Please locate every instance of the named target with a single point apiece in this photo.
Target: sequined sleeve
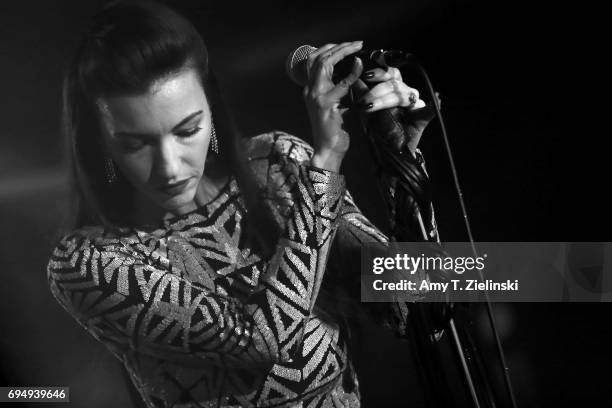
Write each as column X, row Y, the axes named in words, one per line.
column 273, row 156
column 133, row 302
column 356, row 229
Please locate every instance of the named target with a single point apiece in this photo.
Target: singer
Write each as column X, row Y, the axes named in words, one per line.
column 198, row 258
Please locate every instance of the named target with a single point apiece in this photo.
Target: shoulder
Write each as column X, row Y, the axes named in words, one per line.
column 79, row 240
column 278, row 145
column 92, row 262
column 91, row 248
column 93, row 237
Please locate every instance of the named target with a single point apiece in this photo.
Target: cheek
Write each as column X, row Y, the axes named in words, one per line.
column 196, row 152
column 135, row 167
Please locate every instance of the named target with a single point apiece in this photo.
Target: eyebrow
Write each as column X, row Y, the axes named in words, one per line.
column 174, row 129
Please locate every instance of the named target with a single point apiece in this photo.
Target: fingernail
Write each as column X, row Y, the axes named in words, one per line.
column 368, row 106
column 369, row 75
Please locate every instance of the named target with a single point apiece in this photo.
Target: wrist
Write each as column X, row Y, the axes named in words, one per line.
column 327, row 160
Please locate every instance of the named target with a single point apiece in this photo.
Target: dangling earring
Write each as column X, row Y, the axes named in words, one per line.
column 110, row 170
column 214, row 143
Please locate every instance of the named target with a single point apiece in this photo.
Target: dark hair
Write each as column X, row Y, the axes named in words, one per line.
column 129, row 46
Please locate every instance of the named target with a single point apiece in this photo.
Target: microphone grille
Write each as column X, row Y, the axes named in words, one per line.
column 295, row 64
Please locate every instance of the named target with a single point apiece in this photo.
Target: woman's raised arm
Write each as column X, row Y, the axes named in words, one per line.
column 127, row 298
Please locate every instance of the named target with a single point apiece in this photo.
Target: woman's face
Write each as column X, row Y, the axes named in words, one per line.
column 159, row 139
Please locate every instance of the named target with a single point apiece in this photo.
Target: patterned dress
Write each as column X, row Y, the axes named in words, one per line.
column 198, row 318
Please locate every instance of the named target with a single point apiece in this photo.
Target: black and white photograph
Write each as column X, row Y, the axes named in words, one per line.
column 303, row 204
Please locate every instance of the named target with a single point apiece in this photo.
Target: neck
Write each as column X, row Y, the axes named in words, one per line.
column 147, row 212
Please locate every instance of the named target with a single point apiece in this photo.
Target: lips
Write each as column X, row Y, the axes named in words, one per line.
column 174, row 188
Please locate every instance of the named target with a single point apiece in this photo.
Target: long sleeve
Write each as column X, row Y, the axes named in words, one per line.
column 128, row 298
column 342, row 284
column 354, row 231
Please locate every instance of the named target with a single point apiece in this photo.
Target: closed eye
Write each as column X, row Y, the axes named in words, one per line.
column 188, row 132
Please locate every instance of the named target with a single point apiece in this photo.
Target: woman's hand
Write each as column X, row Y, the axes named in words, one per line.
column 390, row 92
column 322, row 97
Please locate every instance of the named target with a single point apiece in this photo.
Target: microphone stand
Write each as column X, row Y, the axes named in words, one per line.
column 407, row 188
column 408, row 197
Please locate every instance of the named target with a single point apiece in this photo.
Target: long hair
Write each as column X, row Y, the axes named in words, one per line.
column 130, row 45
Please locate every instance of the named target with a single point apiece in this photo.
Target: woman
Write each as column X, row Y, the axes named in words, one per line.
column 198, row 258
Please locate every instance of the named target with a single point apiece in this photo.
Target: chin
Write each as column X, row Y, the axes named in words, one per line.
column 178, row 202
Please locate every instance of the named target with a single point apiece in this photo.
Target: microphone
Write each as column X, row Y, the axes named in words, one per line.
column 296, row 62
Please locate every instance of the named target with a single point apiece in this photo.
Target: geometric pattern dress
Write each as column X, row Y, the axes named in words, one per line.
column 198, row 318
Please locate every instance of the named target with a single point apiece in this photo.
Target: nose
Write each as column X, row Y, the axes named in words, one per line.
column 166, row 163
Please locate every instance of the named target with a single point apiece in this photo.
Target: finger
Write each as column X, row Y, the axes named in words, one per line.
column 323, row 68
column 380, row 74
column 420, row 104
column 334, row 48
column 323, row 53
column 312, row 58
column 339, row 52
column 411, row 95
column 360, row 89
column 321, row 72
column 392, row 100
column 342, row 88
column 317, row 53
column 422, row 112
column 321, row 49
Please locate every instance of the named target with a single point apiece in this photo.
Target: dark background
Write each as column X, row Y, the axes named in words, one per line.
column 519, row 94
